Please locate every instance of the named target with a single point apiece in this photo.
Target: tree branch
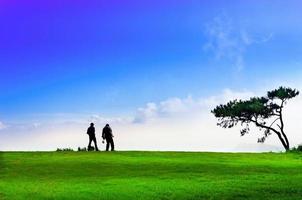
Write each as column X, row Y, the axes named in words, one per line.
column 284, row 143
column 274, row 122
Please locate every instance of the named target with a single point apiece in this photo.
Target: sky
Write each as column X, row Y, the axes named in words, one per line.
column 152, row 69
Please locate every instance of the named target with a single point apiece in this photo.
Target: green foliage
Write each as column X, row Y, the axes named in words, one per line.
column 150, row 175
column 244, row 110
column 282, row 93
column 259, row 111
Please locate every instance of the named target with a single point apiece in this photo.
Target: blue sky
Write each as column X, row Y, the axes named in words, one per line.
column 111, row 58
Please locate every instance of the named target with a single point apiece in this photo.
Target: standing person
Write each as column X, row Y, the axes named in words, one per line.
column 107, row 134
column 91, row 133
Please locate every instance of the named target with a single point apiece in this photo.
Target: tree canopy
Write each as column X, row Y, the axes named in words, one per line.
column 265, row 112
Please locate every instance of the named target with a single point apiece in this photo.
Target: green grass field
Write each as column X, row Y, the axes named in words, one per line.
column 150, row 175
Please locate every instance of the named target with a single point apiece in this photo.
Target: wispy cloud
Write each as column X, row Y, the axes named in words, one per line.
column 97, row 118
column 181, row 107
column 165, row 108
column 230, row 42
column 148, row 112
column 2, row 125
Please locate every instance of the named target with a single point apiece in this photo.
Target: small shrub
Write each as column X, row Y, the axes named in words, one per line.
column 82, row 149
column 297, row 149
column 64, row 149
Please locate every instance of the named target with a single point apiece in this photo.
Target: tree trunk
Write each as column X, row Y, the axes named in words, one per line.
column 284, row 143
column 282, row 130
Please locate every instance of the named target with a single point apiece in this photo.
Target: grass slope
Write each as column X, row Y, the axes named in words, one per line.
column 150, row 175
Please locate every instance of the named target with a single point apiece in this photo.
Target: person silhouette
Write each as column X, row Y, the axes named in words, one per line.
column 91, row 133
column 107, row 134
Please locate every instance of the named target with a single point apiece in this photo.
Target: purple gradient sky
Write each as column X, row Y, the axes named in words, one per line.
column 112, row 57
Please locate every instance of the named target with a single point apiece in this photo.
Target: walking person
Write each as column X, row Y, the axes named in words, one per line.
column 107, row 134
column 91, row 133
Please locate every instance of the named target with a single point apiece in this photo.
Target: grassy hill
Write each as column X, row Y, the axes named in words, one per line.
column 150, row 175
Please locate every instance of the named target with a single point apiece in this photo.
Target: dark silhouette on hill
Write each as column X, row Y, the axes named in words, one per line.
column 265, row 112
column 91, row 133
column 107, row 134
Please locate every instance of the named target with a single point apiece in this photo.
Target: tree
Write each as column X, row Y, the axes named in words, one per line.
column 264, row 112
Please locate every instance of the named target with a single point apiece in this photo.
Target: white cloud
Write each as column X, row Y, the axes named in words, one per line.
column 96, row 118
column 175, row 105
column 229, row 42
column 179, row 107
column 2, row 125
column 148, row 112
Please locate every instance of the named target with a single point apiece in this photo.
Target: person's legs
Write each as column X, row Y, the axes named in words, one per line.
column 107, row 144
column 95, row 144
column 89, row 144
column 112, row 145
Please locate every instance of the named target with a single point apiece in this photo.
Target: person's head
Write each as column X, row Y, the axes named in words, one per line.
column 91, row 124
column 107, row 125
